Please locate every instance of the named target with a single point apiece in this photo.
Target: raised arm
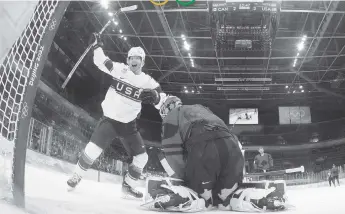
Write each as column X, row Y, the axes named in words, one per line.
column 105, row 64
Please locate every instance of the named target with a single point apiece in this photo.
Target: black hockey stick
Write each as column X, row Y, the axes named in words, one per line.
column 124, row 9
column 278, row 172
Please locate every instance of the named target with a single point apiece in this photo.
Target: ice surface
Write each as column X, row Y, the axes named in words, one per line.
column 46, row 193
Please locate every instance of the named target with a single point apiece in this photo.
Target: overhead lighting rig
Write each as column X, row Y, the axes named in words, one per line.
column 295, row 89
column 243, row 88
column 243, row 79
column 300, row 46
column 105, row 5
column 191, row 89
column 244, row 25
column 187, row 47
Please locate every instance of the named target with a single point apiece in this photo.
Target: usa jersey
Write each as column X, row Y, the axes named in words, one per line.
column 121, row 103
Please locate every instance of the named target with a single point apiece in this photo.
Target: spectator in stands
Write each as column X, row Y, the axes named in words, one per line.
column 335, row 174
column 263, row 161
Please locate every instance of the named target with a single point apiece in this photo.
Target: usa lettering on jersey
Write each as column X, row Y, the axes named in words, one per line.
column 126, row 90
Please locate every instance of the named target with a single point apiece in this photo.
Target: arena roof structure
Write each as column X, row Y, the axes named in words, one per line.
column 303, row 58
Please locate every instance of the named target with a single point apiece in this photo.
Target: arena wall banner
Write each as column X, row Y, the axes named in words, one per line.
column 294, row 115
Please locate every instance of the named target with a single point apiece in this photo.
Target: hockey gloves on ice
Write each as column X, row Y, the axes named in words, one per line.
column 149, row 96
column 96, row 41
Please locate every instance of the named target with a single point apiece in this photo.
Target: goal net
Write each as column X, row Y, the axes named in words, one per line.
column 20, row 70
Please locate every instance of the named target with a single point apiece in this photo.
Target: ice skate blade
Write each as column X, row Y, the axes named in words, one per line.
column 70, row 189
column 130, row 197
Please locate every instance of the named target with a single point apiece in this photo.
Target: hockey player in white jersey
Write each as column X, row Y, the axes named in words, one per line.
column 129, row 88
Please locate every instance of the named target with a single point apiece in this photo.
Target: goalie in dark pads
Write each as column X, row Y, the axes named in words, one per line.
column 205, row 164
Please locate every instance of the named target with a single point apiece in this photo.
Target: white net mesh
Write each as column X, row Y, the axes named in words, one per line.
column 16, row 71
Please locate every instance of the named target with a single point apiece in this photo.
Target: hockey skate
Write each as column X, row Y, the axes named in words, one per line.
column 73, row 181
column 129, row 192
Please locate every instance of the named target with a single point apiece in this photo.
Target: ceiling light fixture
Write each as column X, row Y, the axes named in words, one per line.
column 300, row 46
column 304, row 38
column 105, row 4
column 186, row 45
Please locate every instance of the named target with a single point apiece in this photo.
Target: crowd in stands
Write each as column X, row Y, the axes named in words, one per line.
column 296, row 134
column 70, row 132
column 54, row 113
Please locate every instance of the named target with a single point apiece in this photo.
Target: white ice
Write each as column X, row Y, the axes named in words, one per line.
column 46, row 193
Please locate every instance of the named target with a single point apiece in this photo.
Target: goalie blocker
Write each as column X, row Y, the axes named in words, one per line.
column 168, row 194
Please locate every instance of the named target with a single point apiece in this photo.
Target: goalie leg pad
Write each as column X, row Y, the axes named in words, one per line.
column 153, row 186
column 280, row 186
column 165, row 194
column 257, row 197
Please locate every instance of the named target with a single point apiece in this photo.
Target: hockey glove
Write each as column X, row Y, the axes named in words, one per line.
column 149, row 96
column 96, row 41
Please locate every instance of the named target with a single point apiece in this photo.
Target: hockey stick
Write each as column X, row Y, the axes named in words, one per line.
column 124, row 9
column 278, row 172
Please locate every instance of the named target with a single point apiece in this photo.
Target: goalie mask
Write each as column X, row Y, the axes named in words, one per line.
column 136, row 59
column 169, row 104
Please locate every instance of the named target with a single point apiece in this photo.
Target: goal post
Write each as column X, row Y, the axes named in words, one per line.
column 20, row 72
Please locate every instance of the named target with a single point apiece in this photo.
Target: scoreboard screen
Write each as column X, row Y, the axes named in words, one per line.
column 243, row 116
column 232, row 6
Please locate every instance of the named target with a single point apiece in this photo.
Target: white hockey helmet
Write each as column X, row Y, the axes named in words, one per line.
column 137, row 51
column 170, row 103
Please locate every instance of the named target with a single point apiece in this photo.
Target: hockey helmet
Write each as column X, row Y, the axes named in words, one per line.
column 137, row 51
column 170, row 103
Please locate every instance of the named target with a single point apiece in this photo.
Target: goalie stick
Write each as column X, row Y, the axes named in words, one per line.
column 124, row 9
column 278, row 172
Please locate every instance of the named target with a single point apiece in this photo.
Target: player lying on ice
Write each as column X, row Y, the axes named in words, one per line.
column 205, row 164
column 129, row 88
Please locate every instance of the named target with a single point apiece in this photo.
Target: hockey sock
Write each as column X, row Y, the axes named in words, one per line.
column 89, row 155
column 135, row 169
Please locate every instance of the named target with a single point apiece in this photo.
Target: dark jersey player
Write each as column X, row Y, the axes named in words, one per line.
column 263, row 161
column 121, row 106
column 199, row 150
